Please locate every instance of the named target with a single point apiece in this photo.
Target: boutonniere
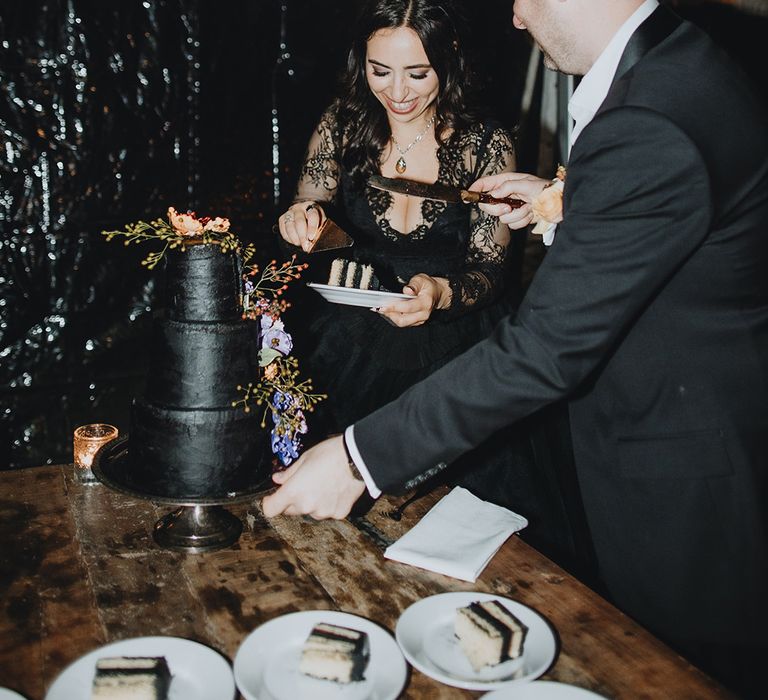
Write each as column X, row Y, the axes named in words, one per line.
column 548, row 206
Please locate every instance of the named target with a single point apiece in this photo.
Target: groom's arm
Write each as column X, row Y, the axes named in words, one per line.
column 637, row 203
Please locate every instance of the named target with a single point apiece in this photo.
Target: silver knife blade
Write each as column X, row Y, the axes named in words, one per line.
column 438, row 191
column 412, row 188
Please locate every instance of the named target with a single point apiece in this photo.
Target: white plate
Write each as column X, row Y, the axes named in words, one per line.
column 356, row 297
column 267, row 662
column 199, row 672
column 543, row 690
column 425, row 634
column 8, row 694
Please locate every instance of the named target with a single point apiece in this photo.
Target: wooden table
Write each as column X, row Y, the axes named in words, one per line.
column 79, row 568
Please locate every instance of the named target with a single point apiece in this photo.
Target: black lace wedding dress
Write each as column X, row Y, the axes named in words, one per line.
column 362, row 362
column 357, row 357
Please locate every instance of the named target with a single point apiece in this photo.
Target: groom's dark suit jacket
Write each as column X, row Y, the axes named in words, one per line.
column 650, row 313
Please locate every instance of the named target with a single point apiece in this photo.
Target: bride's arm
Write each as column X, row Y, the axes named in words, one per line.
column 483, row 276
column 318, row 183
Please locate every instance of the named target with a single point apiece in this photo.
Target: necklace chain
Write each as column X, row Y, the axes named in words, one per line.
column 401, row 165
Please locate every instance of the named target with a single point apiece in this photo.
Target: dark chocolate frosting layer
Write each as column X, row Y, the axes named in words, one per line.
column 202, row 284
column 179, row 453
column 200, row 365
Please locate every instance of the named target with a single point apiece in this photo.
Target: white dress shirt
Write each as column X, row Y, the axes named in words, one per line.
column 582, row 107
column 594, row 86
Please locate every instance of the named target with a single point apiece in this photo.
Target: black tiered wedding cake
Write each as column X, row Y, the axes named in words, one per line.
column 187, row 441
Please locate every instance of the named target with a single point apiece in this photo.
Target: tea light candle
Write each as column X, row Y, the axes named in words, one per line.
column 87, row 441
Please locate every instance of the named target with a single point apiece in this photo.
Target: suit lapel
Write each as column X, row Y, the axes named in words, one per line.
column 659, row 25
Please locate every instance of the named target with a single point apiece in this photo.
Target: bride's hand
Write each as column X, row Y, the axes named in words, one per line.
column 428, row 294
column 299, row 224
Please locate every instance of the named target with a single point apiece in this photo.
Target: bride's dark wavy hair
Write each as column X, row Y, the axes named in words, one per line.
column 362, row 118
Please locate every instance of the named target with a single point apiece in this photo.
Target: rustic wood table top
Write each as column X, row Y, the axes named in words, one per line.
column 79, row 568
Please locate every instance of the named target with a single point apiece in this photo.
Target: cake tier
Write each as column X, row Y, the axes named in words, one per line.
column 203, row 284
column 200, row 365
column 178, row 453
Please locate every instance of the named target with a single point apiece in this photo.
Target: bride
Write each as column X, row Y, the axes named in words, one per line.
column 404, row 110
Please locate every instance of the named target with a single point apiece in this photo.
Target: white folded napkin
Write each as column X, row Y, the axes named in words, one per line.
column 458, row 537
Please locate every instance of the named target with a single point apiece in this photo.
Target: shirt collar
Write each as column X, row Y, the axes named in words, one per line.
column 594, row 86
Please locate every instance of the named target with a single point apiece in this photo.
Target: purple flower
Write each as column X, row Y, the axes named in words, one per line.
column 277, row 339
column 249, row 287
column 268, row 322
column 286, row 447
column 281, row 402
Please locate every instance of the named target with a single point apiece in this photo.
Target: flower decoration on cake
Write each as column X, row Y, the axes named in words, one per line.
column 178, row 231
column 284, row 395
column 281, row 392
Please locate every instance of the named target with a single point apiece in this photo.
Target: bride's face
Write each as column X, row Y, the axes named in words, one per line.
column 399, row 74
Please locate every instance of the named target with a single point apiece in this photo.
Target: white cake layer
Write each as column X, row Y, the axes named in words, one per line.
column 366, row 277
column 126, row 689
column 349, row 279
column 337, row 272
column 333, row 666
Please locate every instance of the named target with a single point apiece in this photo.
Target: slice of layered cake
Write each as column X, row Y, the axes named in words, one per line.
column 131, row 678
column 335, row 653
column 489, row 634
column 348, row 273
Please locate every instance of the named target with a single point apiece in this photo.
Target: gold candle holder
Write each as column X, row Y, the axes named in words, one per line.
column 88, row 439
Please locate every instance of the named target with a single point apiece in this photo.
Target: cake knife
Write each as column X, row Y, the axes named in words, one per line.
column 439, row 191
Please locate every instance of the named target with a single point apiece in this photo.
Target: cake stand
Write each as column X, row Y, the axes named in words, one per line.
column 197, row 524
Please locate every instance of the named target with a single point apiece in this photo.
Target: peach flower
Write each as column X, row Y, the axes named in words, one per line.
column 270, row 372
column 185, row 224
column 548, row 206
column 218, row 225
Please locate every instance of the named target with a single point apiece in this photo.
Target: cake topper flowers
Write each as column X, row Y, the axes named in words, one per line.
column 283, row 394
column 178, row 231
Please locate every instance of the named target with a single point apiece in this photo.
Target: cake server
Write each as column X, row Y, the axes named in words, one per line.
column 443, row 193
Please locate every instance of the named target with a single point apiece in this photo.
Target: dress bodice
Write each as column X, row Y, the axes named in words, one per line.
column 455, row 241
column 436, row 247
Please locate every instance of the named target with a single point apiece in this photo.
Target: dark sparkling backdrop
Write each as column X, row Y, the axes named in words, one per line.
column 109, row 113
column 112, row 110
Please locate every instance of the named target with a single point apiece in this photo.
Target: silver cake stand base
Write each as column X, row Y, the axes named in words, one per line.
column 197, row 524
column 197, row 529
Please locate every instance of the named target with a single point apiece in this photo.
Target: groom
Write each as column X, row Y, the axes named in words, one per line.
column 649, row 314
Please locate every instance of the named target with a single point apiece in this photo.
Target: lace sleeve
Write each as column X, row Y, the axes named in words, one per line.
column 482, row 278
column 319, row 177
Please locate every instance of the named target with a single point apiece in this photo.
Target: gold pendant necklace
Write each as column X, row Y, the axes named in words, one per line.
column 401, row 165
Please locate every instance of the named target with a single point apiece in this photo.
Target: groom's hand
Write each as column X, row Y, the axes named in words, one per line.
column 319, row 484
column 517, row 185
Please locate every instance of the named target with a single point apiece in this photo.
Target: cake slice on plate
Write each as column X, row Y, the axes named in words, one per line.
column 335, row 653
column 489, row 634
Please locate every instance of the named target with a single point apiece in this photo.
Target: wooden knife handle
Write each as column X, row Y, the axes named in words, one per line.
column 470, row 197
column 511, row 201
